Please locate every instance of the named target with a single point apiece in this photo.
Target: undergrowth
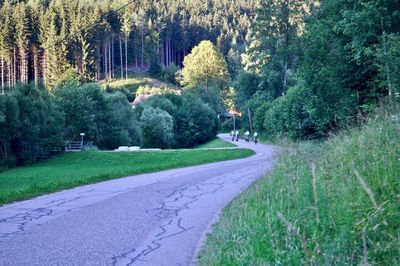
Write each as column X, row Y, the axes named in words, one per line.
column 330, row 203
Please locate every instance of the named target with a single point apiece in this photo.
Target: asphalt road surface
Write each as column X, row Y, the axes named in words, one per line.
column 150, row 219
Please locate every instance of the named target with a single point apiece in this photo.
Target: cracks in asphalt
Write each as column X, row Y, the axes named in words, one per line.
column 20, row 218
column 169, row 213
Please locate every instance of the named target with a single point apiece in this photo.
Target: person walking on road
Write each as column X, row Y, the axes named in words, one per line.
column 247, row 136
column 255, row 137
column 237, row 135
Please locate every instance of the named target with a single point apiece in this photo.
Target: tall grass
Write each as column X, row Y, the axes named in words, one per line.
column 333, row 203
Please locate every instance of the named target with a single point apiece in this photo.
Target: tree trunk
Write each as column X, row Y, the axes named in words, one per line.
column 120, row 57
column 167, row 52
column 109, row 62
column 162, row 57
column 388, row 76
column 284, row 82
column 158, row 48
column 9, row 76
column 44, row 67
column 26, row 67
column 126, row 57
column 35, row 66
column 15, row 68
column 136, row 55
column 142, row 56
column 112, row 57
column 2, row 74
column 105, row 62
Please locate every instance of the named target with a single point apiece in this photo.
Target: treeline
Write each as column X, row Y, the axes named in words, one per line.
column 35, row 124
column 42, row 39
column 313, row 65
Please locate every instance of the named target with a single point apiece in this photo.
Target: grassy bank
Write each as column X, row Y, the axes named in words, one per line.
column 216, row 143
column 74, row 169
column 334, row 203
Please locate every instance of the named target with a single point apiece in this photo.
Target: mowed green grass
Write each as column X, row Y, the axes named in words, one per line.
column 344, row 212
column 216, row 143
column 74, row 169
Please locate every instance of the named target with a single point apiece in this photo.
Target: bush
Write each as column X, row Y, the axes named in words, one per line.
column 259, row 116
column 302, row 114
column 246, row 84
column 123, row 128
column 31, row 125
column 227, row 125
column 201, row 120
column 84, row 109
column 275, row 121
column 157, row 128
column 9, row 128
column 343, row 211
column 106, row 119
column 170, row 72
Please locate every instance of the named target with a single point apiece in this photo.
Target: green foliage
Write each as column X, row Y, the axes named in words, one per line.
column 147, row 89
column 201, row 121
column 388, row 55
column 205, row 66
column 194, row 122
column 84, row 108
column 169, row 73
column 31, row 125
column 157, row 127
column 106, row 119
column 349, row 217
column 319, row 65
column 276, row 117
column 125, row 129
column 246, row 85
column 102, row 40
column 9, row 127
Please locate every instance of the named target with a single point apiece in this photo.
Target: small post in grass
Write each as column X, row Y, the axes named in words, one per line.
column 82, row 135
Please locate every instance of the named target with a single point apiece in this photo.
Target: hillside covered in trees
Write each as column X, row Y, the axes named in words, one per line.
column 302, row 69
column 312, row 66
column 103, row 39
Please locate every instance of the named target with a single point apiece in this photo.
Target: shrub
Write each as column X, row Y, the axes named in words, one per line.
column 157, row 128
column 201, row 119
column 123, row 128
column 170, row 72
column 30, row 125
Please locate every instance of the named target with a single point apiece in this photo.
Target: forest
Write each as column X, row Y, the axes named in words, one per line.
column 105, row 39
column 315, row 66
column 301, row 69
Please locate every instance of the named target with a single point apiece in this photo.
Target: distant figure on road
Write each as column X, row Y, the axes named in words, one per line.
column 247, row 136
column 237, row 135
column 255, row 137
column 233, row 135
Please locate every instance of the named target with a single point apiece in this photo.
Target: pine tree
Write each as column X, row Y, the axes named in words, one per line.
column 22, row 39
column 5, row 42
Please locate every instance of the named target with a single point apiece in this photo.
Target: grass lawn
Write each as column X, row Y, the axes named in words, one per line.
column 74, row 169
column 331, row 203
column 216, row 143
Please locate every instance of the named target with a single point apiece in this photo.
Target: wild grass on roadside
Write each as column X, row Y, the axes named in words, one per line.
column 74, row 169
column 334, row 203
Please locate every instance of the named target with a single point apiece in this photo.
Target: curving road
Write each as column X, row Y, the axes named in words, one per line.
column 151, row 219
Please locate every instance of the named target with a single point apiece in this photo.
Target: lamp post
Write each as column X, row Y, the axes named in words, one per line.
column 82, row 135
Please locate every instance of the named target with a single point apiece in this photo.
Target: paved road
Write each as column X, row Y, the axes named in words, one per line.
column 150, row 219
